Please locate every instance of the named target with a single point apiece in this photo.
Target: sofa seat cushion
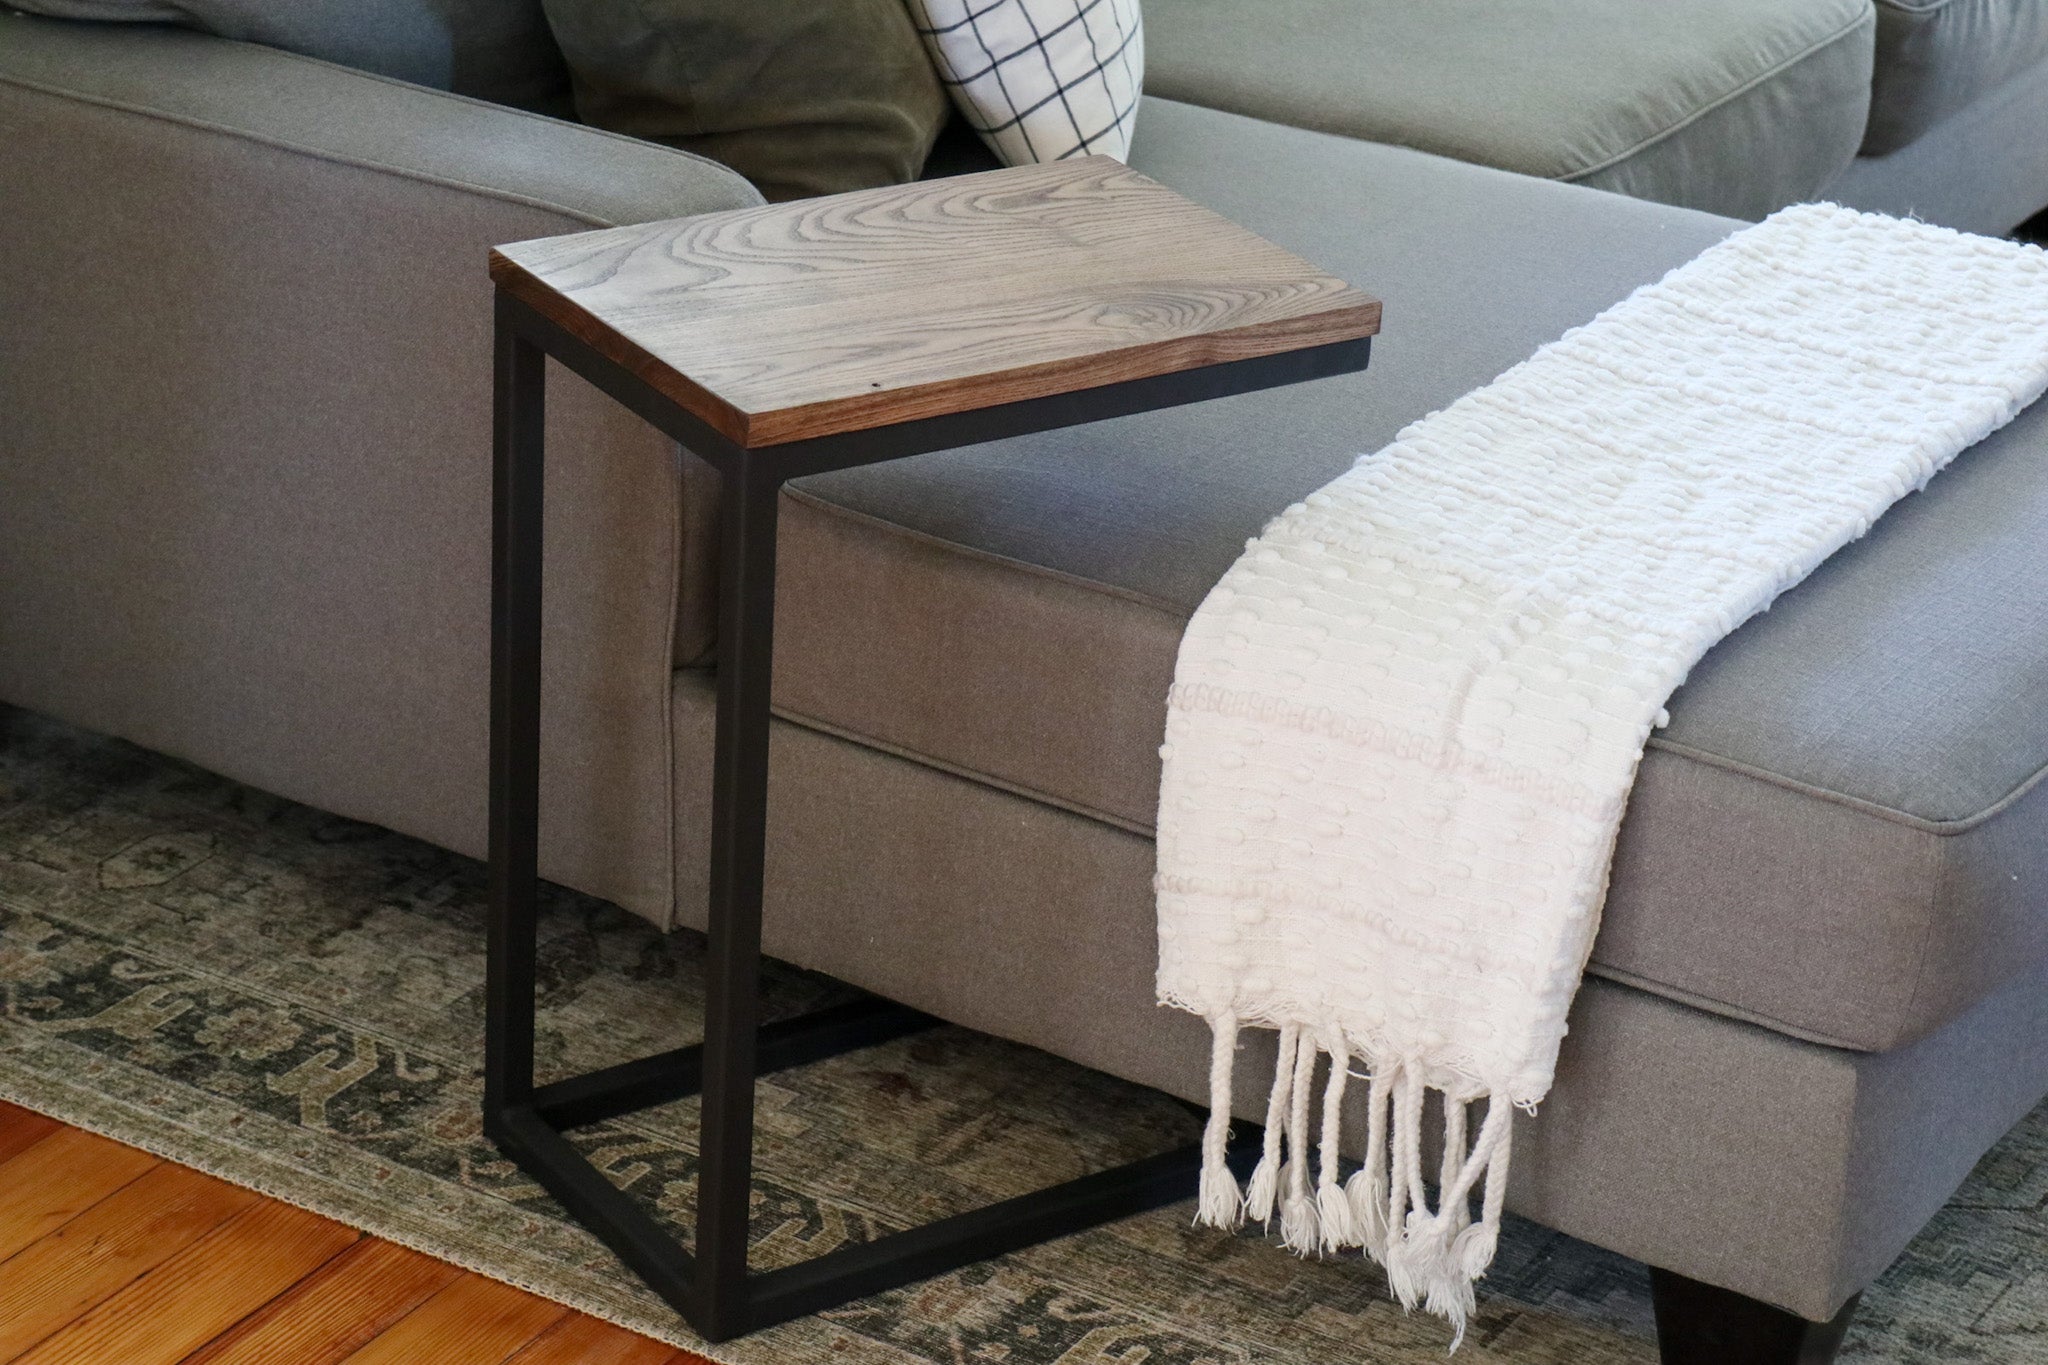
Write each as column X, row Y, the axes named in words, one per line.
column 1734, row 106
column 1936, row 56
column 1837, row 835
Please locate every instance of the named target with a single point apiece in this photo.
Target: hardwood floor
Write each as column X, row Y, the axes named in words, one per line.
column 110, row 1254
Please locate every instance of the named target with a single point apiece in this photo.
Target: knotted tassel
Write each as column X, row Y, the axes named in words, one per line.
column 1333, row 1205
column 1428, row 1249
column 1477, row 1244
column 1298, row 1229
column 1221, row 1202
column 1449, row 1257
column 1367, row 1188
column 1451, row 1295
column 1265, row 1182
column 1413, row 1259
column 1406, row 1256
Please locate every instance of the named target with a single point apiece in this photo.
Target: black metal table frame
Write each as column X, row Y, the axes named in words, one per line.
column 713, row 1288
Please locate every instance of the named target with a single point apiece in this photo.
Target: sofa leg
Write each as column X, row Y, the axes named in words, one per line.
column 1698, row 1324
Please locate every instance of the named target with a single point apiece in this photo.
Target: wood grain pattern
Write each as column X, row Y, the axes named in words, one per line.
column 200, row 1292
column 471, row 1322
column 352, row 1300
column 59, row 1178
column 861, row 310
column 125, row 1235
column 581, row 1340
column 109, row 1255
column 21, row 1129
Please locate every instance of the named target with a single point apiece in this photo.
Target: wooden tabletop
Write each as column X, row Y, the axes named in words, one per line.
column 860, row 310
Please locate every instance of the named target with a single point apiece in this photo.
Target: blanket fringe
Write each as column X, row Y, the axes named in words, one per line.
column 1298, row 1231
column 1220, row 1203
column 1432, row 1256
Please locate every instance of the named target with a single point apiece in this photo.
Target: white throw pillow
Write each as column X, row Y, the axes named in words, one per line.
column 1040, row 79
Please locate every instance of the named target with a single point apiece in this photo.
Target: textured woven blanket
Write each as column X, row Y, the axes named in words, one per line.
column 1404, row 726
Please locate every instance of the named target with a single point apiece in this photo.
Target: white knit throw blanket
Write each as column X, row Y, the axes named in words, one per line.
column 1404, row 726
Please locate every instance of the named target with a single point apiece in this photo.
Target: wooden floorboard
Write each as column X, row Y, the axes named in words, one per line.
column 583, row 1340
column 472, row 1322
column 59, row 1178
column 202, row 1291
column 62, row 1276
column 345, row 1306
column 20, row 1128
column 108, row 1254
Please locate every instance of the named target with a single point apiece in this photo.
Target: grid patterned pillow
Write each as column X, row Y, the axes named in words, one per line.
column 1040, row 79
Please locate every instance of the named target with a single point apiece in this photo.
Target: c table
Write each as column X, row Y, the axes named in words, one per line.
column 788, row 340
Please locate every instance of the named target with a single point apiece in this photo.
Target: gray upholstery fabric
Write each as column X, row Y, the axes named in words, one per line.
column 1981, row 169
column 497, row 50
column 1734, row 106
column 1816, row 840
column 1789, row 906
column 244, row 501
column 1123, row 526
column 309, row 108
column 1911, row 673
column 1936, row 56
column 1731, row 1153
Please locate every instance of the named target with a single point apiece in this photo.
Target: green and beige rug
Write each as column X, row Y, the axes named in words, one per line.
column 294, row 1002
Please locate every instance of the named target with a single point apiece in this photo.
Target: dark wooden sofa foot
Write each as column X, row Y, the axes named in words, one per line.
column 1698, row 1324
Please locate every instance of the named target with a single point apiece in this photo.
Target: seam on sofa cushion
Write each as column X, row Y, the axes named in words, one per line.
column 910, row 755
column 1710, row 1005
column 281, row 54
column 926, row 538
column 1936, row 886
column 367, row 163
column 301, row 149
column 1915, row 7
column 881, row 524
column 1868, row 17
column 1692, row 999
column 1962, row 825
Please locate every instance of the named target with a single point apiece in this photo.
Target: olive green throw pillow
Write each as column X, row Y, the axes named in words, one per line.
column 802, row 97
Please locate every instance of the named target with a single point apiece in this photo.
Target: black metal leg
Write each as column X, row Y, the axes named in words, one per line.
column 712, row 1288
column 739, row 823
column 1700, row 1324
column 517, row 493
column 642, row 1084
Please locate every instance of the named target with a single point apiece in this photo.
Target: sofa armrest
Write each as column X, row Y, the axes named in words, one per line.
column 315, row 108
column 245, row 436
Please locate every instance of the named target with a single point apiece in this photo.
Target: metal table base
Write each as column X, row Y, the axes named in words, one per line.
column 711, row 1286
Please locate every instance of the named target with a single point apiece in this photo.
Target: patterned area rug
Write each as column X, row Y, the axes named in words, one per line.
column 294, row 1002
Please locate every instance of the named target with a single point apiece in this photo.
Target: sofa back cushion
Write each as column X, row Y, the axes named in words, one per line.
column 497, row 50
column 1738, row 107
column 1936, row 56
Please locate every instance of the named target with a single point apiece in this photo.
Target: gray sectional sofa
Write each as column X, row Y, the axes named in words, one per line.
column 244, row 475
column 1932, row 107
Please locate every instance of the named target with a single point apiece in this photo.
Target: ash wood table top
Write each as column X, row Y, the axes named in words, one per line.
column 861, row 310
